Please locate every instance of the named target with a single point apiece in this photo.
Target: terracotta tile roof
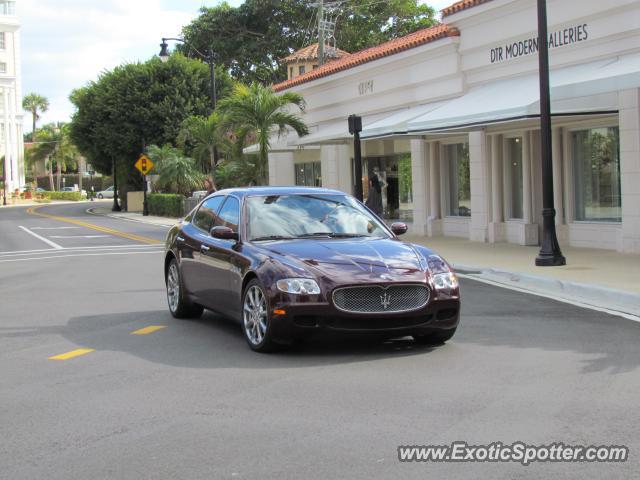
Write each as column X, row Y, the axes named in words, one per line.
column 461, row 5
column 386, row 49
column 310, row 52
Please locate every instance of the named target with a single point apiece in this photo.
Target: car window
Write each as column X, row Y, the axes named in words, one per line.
column 229, row 214
column 206, row 214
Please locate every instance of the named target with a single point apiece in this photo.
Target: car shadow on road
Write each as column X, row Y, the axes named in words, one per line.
column 213, row 341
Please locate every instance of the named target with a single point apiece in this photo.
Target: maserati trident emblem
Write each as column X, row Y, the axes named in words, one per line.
column 385, row 300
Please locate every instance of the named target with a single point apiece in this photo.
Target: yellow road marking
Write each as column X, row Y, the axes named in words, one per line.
column 118, row 233
column 72, row 353
column 148, row 330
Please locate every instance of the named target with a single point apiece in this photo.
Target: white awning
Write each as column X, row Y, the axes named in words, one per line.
column 277, row 145
column 587, row 88
column 334, row 132
column 327, row 133
column 396, row 123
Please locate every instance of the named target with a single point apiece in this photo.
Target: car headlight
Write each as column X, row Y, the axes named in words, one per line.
column 445, row 281
column 443, row 277
column 301, row 286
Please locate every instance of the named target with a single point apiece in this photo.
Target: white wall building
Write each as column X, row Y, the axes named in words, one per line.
column 11, row 140
column 451, row 123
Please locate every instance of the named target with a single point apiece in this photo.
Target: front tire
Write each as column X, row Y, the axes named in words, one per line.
column 256, row 320
column 179, row 306
column 435, row 338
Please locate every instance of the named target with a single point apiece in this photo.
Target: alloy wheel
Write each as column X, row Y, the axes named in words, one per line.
column 255, row 315
column 173, row 287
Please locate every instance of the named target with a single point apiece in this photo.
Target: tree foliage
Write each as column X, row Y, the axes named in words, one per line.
column 258, row 110
column 249, row 40
column 139, row 104
column 177, row 173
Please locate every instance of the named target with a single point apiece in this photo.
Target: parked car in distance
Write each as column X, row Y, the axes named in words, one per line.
column 288, row 262
column 74, row 189
column 106, row 193
column 200, row 194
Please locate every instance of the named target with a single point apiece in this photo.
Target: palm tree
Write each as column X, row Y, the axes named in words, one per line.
column 177, row 173
column 259, row 110
column 55, row 146
column 204, row 137
column 34, row 103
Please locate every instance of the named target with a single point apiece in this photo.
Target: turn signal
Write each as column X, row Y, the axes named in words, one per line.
column 279, row 312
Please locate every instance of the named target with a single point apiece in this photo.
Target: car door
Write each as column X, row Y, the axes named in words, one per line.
column 219, row 261
column 189, row 242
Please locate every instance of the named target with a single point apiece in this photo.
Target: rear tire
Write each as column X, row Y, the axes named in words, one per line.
column 256, row 319
column 435, row 338
column 100, row 196
column 179, row 306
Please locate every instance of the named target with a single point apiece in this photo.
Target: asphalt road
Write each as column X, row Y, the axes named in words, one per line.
column 191, row 401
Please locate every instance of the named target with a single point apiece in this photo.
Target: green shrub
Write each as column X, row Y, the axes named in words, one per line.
column 73, row 196
column 165, row 204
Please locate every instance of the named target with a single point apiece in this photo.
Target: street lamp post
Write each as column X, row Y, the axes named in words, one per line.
column 116, row 205
column 208, row 58
column 550, row 254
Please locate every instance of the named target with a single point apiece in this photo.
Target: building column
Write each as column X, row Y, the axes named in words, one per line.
column 526, row 178
column 478, row 174
column 434, row 220
column 419, row 185
column 629, row 108
column 281, row 169
column 562, row 230
column 343, row 154
column 497, row 227
column 10, row 172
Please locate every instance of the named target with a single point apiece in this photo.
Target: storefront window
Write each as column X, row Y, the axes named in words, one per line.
column 459, row 182
column 393, row 173
column 308, row 174
column 596, row 161
column 514, row 147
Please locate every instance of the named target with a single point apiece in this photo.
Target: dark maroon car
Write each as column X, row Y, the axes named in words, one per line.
column 290, row 261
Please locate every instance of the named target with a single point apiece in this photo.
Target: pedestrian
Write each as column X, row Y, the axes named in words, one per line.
column 374, row 199
column 208, row 185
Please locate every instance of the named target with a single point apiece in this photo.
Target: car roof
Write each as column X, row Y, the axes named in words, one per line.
column 249, row 191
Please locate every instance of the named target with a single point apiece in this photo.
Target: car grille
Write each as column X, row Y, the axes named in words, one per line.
column 378, row 299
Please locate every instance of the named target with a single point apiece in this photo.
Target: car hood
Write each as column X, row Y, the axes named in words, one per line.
column 354, row 260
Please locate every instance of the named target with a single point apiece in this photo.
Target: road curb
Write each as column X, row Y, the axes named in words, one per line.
column 587, row 294
column 128, row 219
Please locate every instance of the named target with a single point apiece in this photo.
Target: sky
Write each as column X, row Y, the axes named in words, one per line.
column 67, row 43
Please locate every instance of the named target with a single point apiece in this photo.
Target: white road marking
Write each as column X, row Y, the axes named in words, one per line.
column 71, row 249
column 52, row 228
column 76, row 255
column 45, row 240
column 628, row 316
column 78, row 236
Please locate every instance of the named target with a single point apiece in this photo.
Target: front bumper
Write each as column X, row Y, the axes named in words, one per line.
column 304, row 319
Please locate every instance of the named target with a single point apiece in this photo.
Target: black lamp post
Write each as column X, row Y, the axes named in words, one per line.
column 355, row 127
column 208, row 58
column 550, row 254
column 116, row 205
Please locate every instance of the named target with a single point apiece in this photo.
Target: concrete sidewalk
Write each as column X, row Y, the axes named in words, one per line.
column 598, row 278
column 133, row 216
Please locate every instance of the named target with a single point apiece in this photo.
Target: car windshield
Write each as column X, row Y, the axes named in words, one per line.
column 308, row 216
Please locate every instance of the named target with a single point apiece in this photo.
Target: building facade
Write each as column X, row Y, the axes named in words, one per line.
column 451, row 124
column 11, row 140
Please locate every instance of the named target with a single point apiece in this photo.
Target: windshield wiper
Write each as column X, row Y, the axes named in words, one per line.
column 272, row 237
column 332, row 235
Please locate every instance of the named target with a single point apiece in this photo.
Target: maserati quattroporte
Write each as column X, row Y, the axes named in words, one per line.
column 290, row 261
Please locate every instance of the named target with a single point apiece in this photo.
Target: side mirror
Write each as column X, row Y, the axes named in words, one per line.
column 223, row 233
column 399, row 228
